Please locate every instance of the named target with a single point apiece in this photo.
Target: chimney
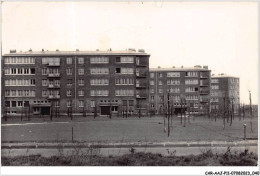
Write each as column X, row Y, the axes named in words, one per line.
column 13, row 51
column 42, row 50
column 77, row 49
column 97, row 49
column 131, row 49
column 205, row 67
column 173, row 66
column 182, row 66
column 197, row 66
column 57, row 49
column 159, row 67
column 141, row 50
column 30, row 50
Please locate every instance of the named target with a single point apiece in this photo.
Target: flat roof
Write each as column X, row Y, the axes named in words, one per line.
column 178, row 69
column 75, row 53
column 223, row 76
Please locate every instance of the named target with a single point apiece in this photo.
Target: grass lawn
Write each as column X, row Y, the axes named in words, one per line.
column 127, row 130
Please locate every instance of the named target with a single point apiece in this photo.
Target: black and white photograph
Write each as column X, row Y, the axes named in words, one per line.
column 130, row 83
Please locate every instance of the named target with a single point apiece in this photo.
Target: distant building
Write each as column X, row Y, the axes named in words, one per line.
column 188, row 88
column 224, row 91
column 79, row 82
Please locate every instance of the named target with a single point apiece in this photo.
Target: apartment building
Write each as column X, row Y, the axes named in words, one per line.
column 224, row 91
column 188, row 88
column 45, row 82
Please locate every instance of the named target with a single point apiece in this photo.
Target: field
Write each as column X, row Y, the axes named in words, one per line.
column 133, row 129
column 136, row 159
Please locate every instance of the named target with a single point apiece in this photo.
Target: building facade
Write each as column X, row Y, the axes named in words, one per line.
column 79, row 82
column 224, row 92
column 188, row 88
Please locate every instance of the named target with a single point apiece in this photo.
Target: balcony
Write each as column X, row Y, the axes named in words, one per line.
column 54, row 97
column 141, row 96
column 51, row 86
column 204, row 85
column 204, row 92
column 54, row 64
column 204, row 76
column 203, row 100
column 141, row 75
column 53, row 75
column 141, row 86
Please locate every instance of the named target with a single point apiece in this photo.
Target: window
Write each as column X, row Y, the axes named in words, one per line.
column 56, row 103
column 44, row 93
column 160, row 91
column 20, row 71
column 214, row 80
column 127, row 59
column 69, row 60
column 173, row 74
column 69, row 71
column 7, row 93
column 92, row 103
column 81, row 60
column 214, row 87
column 99, row 93
column 191, row 81
column 13, row 103
column 81, row 93
column 152, row 98
column 127, row 70
column 68, row 93
column 174, row 90
column 151, row 75
column 118, row 70
column 81, row 71
column 99, row 82
column 160, row 83
column 33, row 71
column 7, row 71
column 191, row 74
column 19, row 103
column 151, row 83
column 13, row 71
column 69, row 103
column 44, row 71
column 99, row 71
column 118, row 59
column 44, row 60
column 44, row 82
column 124, row 81
column 151, row 90
column 69, row 82
column 99, row 60
column 131, row 102
column 32, row 82
column 124, row 92
column 13, row 92
column 173, row 82
column 81, row 82
column 160, row 75
column 191, row 89
column 191, row 97
column 81, row 103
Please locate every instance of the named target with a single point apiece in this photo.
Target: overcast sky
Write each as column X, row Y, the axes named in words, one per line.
column 222, row 35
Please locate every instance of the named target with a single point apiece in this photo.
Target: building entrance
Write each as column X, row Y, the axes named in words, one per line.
column 45, row 111
column 105, row 110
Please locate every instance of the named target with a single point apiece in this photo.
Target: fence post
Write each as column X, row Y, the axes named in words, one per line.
column 244, row 131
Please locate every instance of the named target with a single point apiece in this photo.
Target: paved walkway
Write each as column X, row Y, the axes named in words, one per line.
column 129, row 144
